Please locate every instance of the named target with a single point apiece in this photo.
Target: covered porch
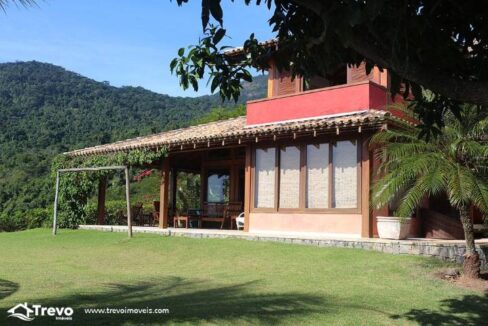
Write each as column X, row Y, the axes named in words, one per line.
column 219, row 201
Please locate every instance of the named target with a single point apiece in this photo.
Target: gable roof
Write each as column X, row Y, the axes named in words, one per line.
column 19, row 306
column 235, row 130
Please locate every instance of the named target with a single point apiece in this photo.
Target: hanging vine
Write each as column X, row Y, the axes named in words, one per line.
column 77, row 188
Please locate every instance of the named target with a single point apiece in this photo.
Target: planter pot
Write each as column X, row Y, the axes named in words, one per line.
column 390, row 227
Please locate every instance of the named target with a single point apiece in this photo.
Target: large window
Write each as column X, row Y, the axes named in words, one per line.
column 218, row 186
column 317, row 191
column 265, row 178
column 289, row 177
column 311, row 176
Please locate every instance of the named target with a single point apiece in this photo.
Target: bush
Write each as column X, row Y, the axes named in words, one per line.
column 12, row 222
column 33, row 218
column 39, row 217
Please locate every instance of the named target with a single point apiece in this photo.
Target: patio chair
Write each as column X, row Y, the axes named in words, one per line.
column 240, row 221
column 231, row 212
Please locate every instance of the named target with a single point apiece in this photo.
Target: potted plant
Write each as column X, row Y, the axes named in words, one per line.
column 392, row 227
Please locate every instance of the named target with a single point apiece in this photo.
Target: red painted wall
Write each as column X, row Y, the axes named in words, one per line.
column 327, row 101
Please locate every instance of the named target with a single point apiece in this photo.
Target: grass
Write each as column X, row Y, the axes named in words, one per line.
column 224, row 281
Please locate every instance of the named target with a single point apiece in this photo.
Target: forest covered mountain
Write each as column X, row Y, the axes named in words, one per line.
column 46, row 110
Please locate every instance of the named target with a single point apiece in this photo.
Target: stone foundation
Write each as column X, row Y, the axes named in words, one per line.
column 447, row 250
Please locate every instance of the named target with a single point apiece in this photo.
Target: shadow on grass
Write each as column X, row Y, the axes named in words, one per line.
column 188, row 301
column 7, row 288
column 470, row 310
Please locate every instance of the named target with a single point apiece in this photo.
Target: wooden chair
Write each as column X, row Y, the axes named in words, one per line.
column 213, row 212
column 232, row 211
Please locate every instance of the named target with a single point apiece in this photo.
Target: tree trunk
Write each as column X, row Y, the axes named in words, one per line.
column 471, row 258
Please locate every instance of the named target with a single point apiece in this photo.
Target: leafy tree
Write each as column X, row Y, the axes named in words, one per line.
column 454, row 163
column 221, row 113
column 437, row 45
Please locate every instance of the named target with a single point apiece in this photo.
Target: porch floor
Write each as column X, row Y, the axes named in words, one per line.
column 449, row 250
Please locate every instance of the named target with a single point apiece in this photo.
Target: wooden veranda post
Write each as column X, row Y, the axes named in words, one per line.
column 127, row 197
column 247, row 187
column 365, row 189
column 102, row 190
column 163, row 194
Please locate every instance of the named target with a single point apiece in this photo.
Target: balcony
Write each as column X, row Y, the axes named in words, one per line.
column 320, row 102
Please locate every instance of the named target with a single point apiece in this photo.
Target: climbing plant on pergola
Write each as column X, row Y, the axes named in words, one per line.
column 93, row 169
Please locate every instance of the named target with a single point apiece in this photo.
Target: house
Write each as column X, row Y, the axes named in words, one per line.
column 21, row 311
column 299, row 161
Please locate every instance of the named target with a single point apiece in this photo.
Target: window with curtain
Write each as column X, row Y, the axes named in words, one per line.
column 345, row 174
column 317, row 188
column 264, row 190
column 289, row 177
column 330, row 178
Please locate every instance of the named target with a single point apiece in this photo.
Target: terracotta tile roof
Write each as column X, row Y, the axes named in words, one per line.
column 234, row 130
column 239, row 50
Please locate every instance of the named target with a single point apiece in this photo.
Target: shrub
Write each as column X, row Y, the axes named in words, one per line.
column 39, row 217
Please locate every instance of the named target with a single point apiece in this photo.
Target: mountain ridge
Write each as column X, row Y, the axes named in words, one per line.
column 46, row 109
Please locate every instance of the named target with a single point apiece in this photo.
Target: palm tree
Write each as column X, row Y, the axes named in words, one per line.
column 453, row 163
column 25, row 3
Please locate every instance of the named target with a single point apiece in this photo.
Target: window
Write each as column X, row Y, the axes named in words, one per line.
column 218, row 186
column 345, row 179
column 321, row 176
column 317, row 191
column 265, row 178
column 289, row 177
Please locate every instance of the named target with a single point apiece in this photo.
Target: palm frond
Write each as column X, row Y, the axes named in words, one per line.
column 26, row 3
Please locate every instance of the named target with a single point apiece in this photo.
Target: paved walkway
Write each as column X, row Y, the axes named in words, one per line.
column 450, row 250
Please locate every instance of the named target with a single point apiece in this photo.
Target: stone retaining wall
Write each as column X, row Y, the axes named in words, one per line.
column 444, row 250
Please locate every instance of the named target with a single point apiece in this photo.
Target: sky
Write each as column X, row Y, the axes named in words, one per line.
column 124, row 42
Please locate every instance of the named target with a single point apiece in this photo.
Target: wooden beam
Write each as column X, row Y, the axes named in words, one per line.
column 174, row 180
column 365, row 189
column 102, row 190
column 114, row 167
column 127, row 198
column 163, row 193
column 203, row 184
column 247, row 187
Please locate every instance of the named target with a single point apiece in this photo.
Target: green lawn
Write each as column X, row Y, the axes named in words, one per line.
column 223, row 281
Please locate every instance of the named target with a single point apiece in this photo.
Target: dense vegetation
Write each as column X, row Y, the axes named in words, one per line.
column 46, row 110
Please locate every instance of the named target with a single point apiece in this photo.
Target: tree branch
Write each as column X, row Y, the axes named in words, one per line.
column 459, row 90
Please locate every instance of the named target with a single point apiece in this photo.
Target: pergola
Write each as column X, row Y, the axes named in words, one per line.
column 93, row 169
